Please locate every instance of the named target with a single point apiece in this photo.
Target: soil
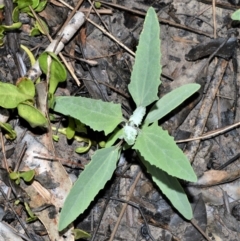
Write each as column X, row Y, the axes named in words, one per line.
column 149, row 215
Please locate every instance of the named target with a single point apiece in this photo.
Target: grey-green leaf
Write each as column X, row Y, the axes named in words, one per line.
column 236, row 15
column 11, row 96
column 171, row 188
column 170, row 101
column 99, row 115
column 145, row 77
column 89, row 183
column 160, row 150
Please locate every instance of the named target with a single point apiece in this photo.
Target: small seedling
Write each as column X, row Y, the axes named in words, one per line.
column 32, row 217
column 70, row 132
column 50, row 63
column 27, row 176
column 158, row 152
column 22, row 95
column 23, row 6
column 5, row 28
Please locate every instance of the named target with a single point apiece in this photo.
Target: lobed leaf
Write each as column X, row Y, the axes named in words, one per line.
column 171, row 188
column 99, row 115
column 89, row 183
column 11, row 96
column 147, row 69
column 170, row 101
column 160, row 150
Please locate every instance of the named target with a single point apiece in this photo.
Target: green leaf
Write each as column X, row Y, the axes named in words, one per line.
column 145, row 77
column 55, row 138
column 11, row 96
column 58, row 72
column 1, row 37
column 99, row 115
column 27, row 176
column 41, row 6
column 89, row 183
column 44, row 30
column 160, row 150
column 26, row 86
column 117, row 134
column 26, row 10
column 171, row 189
column 32, row 216
column 83, row 149
column 43, row 62
column 80, row 127
column 24, row 3
column 32, row 115
column 102, row 144
column 34, row 31
column 29, row 53
column 14, row 175
column 51, row 100
column 97, row 5
column 17, row 181
column 70, row 131
column 35, row 3
column 12, row 27
column 15, row 14
column 79, row 233
column 170, row 101
column 11, row 133
column 236, row 15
